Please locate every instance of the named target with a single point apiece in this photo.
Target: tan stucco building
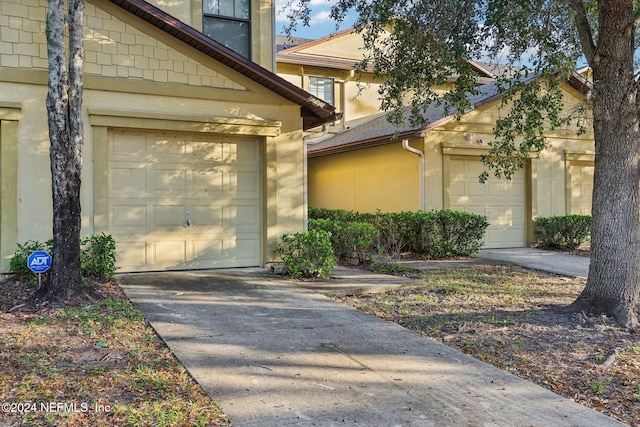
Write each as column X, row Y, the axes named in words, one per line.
column 369, row 167
column 362, row 164
column 193, row 154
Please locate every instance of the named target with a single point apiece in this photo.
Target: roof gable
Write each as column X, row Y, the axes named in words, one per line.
column 313, row 110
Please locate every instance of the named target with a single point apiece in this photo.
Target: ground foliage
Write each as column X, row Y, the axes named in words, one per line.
column 517, row 320
column 97, row 356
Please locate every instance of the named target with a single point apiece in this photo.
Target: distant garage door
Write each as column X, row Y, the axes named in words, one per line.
column 581, row 187
column 182, row 201
column 501, row 201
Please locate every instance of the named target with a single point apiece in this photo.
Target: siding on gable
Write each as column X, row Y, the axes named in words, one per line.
column 112, row 48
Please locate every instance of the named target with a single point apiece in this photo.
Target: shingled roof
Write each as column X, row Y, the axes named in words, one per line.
column 314, row 111
column 378, row 131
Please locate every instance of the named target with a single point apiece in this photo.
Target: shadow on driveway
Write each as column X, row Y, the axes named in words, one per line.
column 272, row 353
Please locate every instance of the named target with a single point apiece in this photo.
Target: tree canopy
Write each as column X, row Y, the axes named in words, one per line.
column 416, row 45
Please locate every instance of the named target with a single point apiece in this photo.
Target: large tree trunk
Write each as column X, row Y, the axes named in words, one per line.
column 64, row 101
column 613, row 286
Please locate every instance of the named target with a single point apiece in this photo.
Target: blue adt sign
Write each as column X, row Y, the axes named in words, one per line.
column 39, row 261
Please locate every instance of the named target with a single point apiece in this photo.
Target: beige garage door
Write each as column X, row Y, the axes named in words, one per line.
column 501, row 201
column 178, row 201
column 581, row 188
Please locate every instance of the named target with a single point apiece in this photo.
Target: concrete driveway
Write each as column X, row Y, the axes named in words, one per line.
column 272, row 353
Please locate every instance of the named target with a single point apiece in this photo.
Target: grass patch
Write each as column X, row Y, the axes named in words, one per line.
column 96, row 364
column 516, row 320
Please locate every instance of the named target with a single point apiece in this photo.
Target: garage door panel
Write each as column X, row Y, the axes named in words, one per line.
column 208, row 249
column 208, row 181
column 206, row 216
column 127, row 179
column 241, row 249
column 128, row 146
column 133, row 251
column 167, row 148
column 168, row 217
column 169, row 251
column 166, row 179
column 127, row 218
column 243, row 216
column 476, row 189
column 242, row 182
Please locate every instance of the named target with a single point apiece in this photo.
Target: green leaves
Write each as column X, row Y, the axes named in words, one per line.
column 569, row 231
column 97, row 256
column 307, row 254
column 434, row 234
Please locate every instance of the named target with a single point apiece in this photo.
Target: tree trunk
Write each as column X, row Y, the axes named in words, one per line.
column 613, row 286
column 64, row 101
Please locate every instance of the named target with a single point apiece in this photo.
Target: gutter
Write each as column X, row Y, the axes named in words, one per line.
column 407, row 147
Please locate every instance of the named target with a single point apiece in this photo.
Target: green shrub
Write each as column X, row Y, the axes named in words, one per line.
column 434, row 234
column 307, row 254
column 395, row 231
column 341, row 215
column 567, row 232
column 97, row 256
column 348, row 238
column 447, row 233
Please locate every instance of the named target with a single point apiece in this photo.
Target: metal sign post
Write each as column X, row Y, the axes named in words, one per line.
column 39, row 262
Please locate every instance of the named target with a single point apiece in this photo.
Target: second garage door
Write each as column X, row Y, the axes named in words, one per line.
column 182, row 201
column 501, row 201
column 581, row 188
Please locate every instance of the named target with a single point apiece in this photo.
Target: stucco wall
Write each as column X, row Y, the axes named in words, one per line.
column 384, row 177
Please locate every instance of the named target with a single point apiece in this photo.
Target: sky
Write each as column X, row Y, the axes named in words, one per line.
column 320, row 24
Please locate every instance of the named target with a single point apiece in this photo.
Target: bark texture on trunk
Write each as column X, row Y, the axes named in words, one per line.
column 613, row 286
column 64, row 101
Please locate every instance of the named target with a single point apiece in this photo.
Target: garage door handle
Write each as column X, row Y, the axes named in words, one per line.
column 188, row 221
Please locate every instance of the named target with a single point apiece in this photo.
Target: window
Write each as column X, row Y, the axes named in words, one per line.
column 322, row 88
column 229, row 23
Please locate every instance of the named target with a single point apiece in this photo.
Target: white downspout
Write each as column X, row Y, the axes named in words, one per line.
column 407, row 147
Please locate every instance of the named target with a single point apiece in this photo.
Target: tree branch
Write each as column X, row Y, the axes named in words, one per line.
column 584, row 29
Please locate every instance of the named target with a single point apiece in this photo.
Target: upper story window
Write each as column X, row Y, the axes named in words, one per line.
column 228, row 22
column 322, row 87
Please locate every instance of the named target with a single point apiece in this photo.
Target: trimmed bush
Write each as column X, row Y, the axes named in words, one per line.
column 447, row 233
column 348, row 238
column 565, row 232
column 307, row 254
column 434, row 234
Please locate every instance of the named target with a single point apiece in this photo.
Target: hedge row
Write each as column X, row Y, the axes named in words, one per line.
column 434, row 234
column 569, row 231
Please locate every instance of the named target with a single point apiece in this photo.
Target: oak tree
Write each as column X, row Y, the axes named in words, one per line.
column 417, row 45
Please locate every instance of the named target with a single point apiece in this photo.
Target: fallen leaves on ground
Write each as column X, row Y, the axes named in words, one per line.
column 517, row 320
column 91, row 363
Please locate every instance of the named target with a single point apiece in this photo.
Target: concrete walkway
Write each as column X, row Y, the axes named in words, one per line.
column 272, row 353
column 552, row 262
